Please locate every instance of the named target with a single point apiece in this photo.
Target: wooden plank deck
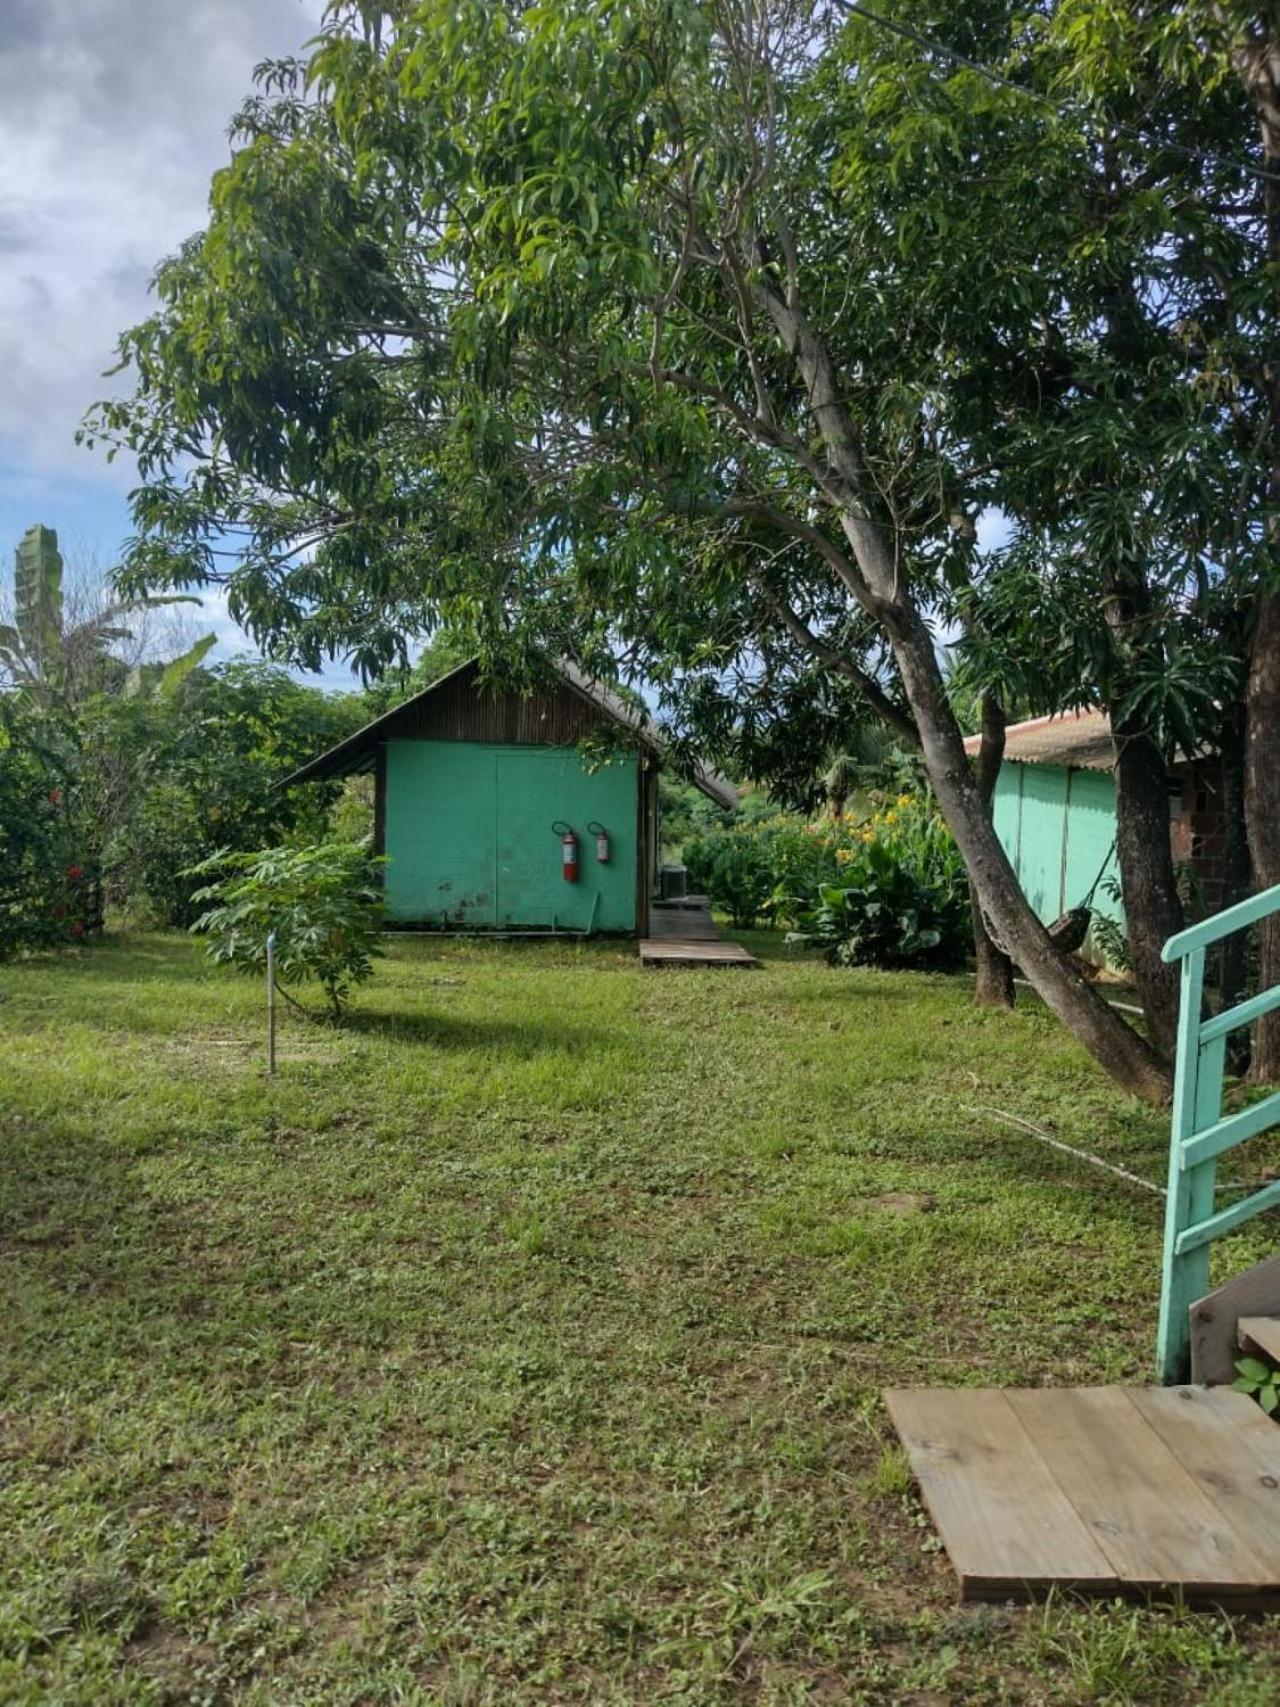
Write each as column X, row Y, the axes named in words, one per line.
column 671, row 951
column 1170, row 1491
column 683, row 933
column 682, row 924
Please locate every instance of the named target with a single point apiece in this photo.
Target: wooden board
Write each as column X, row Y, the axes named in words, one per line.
column 1214, row 1346
column 1001, row 1515
column 684, row 924
column 1154, row 1524
column 673, row 952
column 1171, row 1491
column 1260, row 1333
column 1231, row 1449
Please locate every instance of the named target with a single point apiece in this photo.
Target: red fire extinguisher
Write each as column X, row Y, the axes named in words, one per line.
column 568, row 851
column 602, row 841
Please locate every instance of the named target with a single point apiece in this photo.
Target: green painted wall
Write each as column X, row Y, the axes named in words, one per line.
column 1057, row 826
column 468, row 837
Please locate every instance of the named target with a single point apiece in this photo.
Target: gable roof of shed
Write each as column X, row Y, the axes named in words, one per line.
column 357, row 751
column 1080, row 740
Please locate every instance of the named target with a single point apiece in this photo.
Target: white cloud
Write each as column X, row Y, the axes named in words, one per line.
column 113, row 116
column 212, row 616
column 113, row 119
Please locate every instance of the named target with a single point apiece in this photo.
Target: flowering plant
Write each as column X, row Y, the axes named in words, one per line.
column 900, row 897
column 753, row 869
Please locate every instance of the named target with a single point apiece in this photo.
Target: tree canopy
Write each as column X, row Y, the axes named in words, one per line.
column 694, row 340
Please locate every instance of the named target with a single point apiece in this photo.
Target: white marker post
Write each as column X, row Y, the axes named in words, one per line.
column 271, row 1002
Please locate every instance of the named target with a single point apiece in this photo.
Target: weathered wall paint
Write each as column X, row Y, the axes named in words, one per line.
column 469, row 841
column 1057, row 826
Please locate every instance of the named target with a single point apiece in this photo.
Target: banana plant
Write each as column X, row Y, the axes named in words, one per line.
column 46, row 657
column 162, row 681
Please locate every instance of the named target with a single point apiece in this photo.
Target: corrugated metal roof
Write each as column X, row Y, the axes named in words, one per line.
column 1080, row 740
column 356, row 752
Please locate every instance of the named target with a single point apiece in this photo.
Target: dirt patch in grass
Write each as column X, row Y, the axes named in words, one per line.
column 902, row 1202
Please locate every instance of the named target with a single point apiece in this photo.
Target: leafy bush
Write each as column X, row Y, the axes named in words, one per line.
column 215, row 757
column 754, row 868
column 1110, row 937
column 684, row 813
column 901, row 898
column 730, row 863
column 324, row 904
column 47, row 895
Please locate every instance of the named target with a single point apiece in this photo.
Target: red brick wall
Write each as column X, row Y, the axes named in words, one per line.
column 1198, row 831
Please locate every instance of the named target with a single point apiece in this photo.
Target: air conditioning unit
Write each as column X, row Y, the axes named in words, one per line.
column 673, row 882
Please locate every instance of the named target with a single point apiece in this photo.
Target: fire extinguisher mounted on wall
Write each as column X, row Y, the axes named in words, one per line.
column 568, row 850
column 602, row 841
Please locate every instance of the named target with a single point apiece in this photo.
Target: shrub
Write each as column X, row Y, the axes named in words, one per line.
column 900, row 900
column 324, row 904
column 47, row 890
column 215, row 754
column 1110, row 937
column 730, row 863
column 756, row 868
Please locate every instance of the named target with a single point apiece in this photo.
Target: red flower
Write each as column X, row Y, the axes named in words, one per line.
column 78, row 928
column 55, row 797
column 59, row 911
column 75, row 872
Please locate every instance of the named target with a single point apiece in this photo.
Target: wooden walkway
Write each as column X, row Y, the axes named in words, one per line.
column 683, row 933
column 1103, row 1491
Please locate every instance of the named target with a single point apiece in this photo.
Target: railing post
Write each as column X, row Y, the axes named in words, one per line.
column 1197, row 1103
column 1197, row 1106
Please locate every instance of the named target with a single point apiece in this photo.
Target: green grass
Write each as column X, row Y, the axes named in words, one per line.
column 523, row 1340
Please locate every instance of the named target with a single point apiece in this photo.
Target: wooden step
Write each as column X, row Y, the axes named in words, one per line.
column 685, row 925
column 1166, row 1491
column 694, row 952
column 1260, row 1333
column 1215, row 1320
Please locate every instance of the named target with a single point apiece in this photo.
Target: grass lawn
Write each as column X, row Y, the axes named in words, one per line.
column 522, row 1341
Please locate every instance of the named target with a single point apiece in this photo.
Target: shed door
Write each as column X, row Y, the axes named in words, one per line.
column 439, row 833
column 531, row 790
column 535, row 787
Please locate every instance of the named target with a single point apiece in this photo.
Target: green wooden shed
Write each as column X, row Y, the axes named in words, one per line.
column 475, row 788
column 1055, row 813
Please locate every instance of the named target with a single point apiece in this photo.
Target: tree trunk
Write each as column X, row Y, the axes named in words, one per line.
column 993, row 986
column 1144, row 848
column 1262, row 809
column 880, row 587
column 1255, row 54
column 1152, row 905
column 1236, row 872
column 1116, row 1046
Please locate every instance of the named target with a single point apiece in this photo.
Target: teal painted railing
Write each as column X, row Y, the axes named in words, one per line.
column 1201, row 1134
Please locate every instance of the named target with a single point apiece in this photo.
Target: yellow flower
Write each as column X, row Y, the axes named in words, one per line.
column 843, row 855
column 904, row 800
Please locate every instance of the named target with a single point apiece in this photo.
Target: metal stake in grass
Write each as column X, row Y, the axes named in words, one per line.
column 271, row 1002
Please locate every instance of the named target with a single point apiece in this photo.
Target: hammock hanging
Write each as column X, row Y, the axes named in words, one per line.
column 1069, row 931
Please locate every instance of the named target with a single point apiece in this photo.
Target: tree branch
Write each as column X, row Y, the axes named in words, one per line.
column 834, row 660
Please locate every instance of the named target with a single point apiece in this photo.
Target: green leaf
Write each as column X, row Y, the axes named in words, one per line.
column 1254, row 1369
column 178, row 669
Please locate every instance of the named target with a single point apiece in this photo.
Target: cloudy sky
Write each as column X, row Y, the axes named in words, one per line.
column 113, row 116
